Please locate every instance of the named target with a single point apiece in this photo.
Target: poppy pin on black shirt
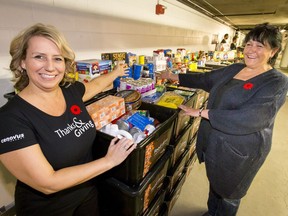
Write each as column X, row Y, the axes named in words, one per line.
column 75, row 109
column 248, row 86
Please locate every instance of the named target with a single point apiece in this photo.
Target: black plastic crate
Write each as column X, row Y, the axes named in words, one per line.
column 194, row 128
column 202, row 96
column 155, row 207
column 173, row 196
column 119, row 199
column 175, row 172
column 184, row 120
column 180, row 144
column 190, row 164
column 191, row 147
column 147, row 152
column 163, row 211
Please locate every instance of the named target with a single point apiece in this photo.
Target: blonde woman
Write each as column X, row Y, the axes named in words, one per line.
column 46, row 133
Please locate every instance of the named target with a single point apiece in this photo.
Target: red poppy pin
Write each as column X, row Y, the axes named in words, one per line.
column 248, row 86
column 75, row 109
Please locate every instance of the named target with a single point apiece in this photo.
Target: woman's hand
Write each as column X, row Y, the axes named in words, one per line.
column 165, row 74
column 119, row 150
column 189, row 111
column 121, row 69
column 203, row 113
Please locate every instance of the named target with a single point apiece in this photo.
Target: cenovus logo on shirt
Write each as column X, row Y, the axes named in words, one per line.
column 77, row 126
column 13, row 138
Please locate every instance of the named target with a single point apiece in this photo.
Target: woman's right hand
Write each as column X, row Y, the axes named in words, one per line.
column 165, row 74
column 119, row 149
column 168, row 75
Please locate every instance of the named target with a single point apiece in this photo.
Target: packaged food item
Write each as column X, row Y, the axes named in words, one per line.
column 115, row 57
column 140, row 121
column 153, row 98
column 132, row 99
column 123, row 124
column 170, row 100
column 113, row 130
column 149, row 129
column 91, row 68
column 106, row 110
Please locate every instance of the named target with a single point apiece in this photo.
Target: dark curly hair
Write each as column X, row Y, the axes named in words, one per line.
column 265, row 33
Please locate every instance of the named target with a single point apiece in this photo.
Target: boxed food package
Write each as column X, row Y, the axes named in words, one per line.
column 106, row 110
column 115, row 57
column 92, row 68
column 131, row 59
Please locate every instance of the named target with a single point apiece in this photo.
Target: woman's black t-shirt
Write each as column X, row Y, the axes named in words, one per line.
column 65, row 141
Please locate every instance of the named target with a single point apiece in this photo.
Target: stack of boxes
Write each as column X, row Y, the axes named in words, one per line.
column 106, row 110
column 92, row 68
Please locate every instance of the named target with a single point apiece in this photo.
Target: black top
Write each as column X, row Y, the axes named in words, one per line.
column 237, row 138
column 233, row 46
column 65, row 140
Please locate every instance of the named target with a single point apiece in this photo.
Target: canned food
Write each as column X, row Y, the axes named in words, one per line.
column 132, row 99
column 134, row 130
column 123, row 124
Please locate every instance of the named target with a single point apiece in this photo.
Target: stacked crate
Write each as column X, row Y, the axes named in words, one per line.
column 149, row 181
column 138, row 182
column 184, row 145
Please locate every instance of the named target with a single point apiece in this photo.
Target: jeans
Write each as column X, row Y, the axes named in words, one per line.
column 218, row 206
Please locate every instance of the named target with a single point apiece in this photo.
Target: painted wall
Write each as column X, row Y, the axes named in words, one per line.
column 93, row 26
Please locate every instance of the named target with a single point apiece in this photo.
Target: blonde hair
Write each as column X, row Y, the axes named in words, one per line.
column 19, row 46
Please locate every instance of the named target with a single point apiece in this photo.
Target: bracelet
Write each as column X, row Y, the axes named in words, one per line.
column 200, row 112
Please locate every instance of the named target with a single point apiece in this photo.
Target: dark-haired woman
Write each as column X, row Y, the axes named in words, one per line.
column 235, row 133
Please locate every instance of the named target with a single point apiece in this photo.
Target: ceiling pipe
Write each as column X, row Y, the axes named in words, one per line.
column 207, row 13
column 248, row 14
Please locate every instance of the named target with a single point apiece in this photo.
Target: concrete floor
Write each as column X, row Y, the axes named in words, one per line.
column 268, row 194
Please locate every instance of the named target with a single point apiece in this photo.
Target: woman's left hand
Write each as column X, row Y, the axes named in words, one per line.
column 189, row 111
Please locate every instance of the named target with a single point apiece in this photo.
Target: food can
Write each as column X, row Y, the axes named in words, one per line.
column 123, row 124
column 134, row 130
column 132, row 99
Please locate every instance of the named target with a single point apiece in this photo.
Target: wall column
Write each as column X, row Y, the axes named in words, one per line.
column 284, row 59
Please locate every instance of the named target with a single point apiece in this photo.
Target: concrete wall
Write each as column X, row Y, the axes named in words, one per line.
column 96, row 26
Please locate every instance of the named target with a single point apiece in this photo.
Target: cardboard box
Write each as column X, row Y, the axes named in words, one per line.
column 115, row 57
column 93, row 67
column 106, row 110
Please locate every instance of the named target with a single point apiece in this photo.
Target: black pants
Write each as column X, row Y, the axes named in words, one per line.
column 89, row 207
column 219, row 206
column 81, row 200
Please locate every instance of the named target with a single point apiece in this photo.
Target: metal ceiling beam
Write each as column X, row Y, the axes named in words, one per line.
column 248, row 14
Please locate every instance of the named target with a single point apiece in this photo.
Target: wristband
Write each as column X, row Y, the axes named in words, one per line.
column 200, row 111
